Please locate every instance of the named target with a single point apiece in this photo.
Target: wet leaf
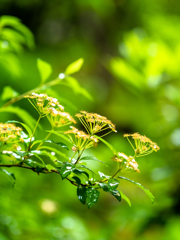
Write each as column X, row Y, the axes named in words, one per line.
column 103, row 176
column 77, row 180
column 113, row 183
column 81, row 193
column 92, row 196
column 78, row 171
column 66, row 169
column 116, row 194
column 104, row 186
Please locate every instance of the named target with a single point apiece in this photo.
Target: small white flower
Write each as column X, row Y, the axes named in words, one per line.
column 123, row 155
column 54, row 100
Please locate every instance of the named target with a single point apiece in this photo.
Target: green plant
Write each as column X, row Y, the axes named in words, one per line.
column 14, row 38
column 21, row 148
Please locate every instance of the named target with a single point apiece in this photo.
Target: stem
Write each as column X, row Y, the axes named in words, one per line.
column 82, row 151
column 73, row 155
column 116, row 173
column 53, row 171
column 34, row 132
column 131, row 144
column 79, row 155
column 51, row 83
column 4, row 165
column 34, row 170
column 44, row 139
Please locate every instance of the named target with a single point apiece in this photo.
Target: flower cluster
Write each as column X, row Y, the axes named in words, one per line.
column 10, row 134
column 42, row 103
column 142, row 145
column 94, row 122
column 127, row 162
column 58, row 118
column 50, row 107
column 80, row 139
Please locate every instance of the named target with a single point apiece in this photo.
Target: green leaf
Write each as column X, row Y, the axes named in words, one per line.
column 57, row 162
column 111, row 186
column 10, row 174
column 123, row 196
column 21, row 153
column 36, row 153
column 83, row 166
column 81, row 193
column 22, row 114
column 92, row 196
column 50, row 167
column 78, row 180
column 103, row 176
column 55, row 150
column 74, row 67
column 8, row 93
column 116, row 194
column 66, row 169
column 73, row 83
column 60, row 135
column 27, row 35
column 94, row 159
column 51, row 156
column 23, row 124
column 113, row 183
column 14, row 23
column 78, row 172
column 45, row 70
column 60, row 144
column 6, row 20
column 11, row 153
column 125, row 72
column 104, row 186
column 14, row 36
column 107, row 144
column 149, row 194
column 86, row 94
column 32, row 163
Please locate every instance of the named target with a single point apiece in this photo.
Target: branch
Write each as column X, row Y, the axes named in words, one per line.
column 51, row 83
column 34, row 170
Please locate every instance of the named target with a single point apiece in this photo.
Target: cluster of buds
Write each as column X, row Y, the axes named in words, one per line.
column 81, row 140
column 10, row 134
column 126, row 162
column 94, row 122
column 142, row 145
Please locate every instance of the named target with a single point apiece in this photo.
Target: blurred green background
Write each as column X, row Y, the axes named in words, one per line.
column 132, row 57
